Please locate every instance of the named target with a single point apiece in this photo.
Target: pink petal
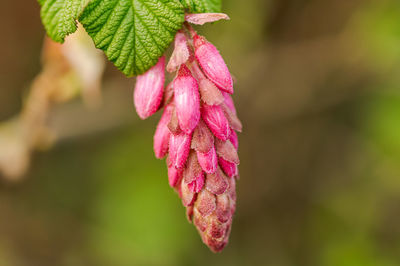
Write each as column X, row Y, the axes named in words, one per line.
column 173, row 124
column 215, row 119
column 205, row 203
column 187, row 100
column 232, row 189
column 234, row 121
column 180, row 54
column 209, row 93
column 229, row 102
column 223, row 209
column 199, row 221
column 216, row 183
column 193, row 169
column 202, row 18
column 149, row 90
column 227, row 151
column 174, row 176
column 208, row 161
column 203, row 139
column 233, row 138
column 161, row 137
column 212, row 64
column 188, row 197
column 230, row 169
column 197, row 185
column 216, row 229
column 179, row 147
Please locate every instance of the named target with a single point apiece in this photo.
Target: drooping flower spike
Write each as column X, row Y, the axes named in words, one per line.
column 197, row 130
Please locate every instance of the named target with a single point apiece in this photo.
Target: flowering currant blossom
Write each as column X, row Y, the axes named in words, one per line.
column 197, row 130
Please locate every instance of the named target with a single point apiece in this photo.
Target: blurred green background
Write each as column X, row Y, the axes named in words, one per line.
column 318, row 92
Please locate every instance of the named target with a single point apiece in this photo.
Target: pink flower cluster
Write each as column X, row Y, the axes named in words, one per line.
column 197, row 132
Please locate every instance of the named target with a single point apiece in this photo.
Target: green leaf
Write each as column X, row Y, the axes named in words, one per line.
column 202, row 6
column 59, row 17
column 133, row 33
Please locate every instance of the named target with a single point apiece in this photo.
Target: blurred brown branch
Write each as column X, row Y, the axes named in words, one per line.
column 67, row 70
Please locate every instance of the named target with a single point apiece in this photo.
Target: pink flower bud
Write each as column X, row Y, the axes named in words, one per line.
column 179, row 147
column 212, row 63
column 161, row 137
column 149, row 90
column 202, row 18
column 208, row 161
column 209, row 93
column 215, row 119
column 187, row 100
column 180, row 54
